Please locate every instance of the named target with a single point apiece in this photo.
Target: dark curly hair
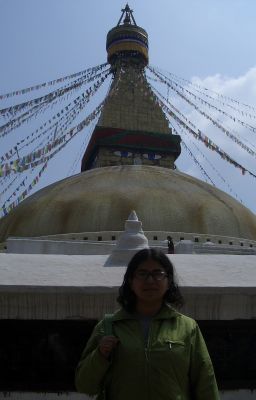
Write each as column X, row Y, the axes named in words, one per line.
column 127, row 298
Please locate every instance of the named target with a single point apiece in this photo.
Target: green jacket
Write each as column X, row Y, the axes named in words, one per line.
column 174, row 365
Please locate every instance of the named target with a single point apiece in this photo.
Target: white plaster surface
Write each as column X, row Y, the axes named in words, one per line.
column 38, row 246
column 215, row 287
column 184, row 247
column 129, row 242
column 72, row 246
column 19, row 271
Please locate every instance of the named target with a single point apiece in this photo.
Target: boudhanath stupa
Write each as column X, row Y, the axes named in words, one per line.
column 68, row 244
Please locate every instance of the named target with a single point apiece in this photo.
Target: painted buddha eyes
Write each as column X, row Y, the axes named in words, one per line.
column 149, row 156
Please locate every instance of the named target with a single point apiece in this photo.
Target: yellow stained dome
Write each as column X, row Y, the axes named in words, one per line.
column 100, row 200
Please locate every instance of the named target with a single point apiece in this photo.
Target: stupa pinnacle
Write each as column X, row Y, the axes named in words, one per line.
column 132, row 128
column 127, row 41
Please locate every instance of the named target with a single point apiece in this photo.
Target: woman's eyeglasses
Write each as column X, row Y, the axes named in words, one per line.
column 144, row 275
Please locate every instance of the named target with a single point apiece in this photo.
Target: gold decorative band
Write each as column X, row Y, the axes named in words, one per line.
column 127, row 46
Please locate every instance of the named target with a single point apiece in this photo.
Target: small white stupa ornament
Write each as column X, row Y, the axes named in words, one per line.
column 129, row 242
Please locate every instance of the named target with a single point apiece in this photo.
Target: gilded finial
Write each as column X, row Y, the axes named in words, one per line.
column 127, row 16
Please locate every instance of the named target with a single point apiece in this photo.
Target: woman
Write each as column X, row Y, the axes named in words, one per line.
column 154, row 352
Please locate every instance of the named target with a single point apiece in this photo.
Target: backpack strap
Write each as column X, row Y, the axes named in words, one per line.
column 108, row 324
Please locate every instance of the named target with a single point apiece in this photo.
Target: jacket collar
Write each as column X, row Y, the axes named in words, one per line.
column 166, row 312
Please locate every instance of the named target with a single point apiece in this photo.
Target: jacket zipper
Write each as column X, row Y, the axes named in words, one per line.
column 147, row 355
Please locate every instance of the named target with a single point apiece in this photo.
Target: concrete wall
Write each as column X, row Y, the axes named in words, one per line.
column 37, row 246
column 156, row 236
column 201, row 304
column 48, row 287
column 216, row 287
column 104, row 243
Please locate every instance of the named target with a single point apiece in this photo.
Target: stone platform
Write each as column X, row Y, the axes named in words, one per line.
column 215, row 287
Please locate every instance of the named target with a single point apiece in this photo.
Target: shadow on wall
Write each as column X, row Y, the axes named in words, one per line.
column 42, row 355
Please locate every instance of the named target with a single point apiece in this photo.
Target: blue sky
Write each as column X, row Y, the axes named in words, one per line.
column 51, row 38
column 209, row 41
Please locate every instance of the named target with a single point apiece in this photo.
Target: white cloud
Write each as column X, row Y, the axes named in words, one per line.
column 242, row 87
column 243, row 90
